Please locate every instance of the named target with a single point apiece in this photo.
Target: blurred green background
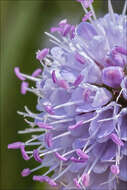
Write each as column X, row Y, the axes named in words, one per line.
column 23, row 23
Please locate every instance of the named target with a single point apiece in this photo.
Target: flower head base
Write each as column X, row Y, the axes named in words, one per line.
column 82, row 99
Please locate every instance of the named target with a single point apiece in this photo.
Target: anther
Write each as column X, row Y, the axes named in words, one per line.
column 41, row 54
column 114, row 169
column 24, row 86
column 18, row 74
column 26, row 172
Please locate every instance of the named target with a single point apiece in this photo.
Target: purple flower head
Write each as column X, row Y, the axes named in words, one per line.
column 82, row 104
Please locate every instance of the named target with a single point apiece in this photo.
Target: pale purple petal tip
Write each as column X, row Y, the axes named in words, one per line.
column 36, row 156
column 15, row 145
column 36, row 72
column 26, row 172
column 18, row 74
column 112, row 76
column 24, row 86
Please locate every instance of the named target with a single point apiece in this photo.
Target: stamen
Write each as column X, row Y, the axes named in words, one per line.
column 62, row 22
column 30, row 131
column 72, row 32
column 86, row 3
column 49, row 109
column 48, row 139
column 67, row 104
column 66, row 29
column 18, row 74
column 56, row 29
column 61, row 162
column 63, row 84
column 82, row 154
column 41, row 54
column 30, row 77
column 15, row 145
column 51, row 169
column 78, row 124
column 57, row 116
column 76, row 183
column 34, row 144
column 24, row 154
column 116, row 139
column 24, row 86
column 85, row 179
column 120, row 49
column 53, row 37
column 61, row 135
column 90, row 148
column 80, row 58
column 78, row 80
column 108, row 119
column 46, row 179
column 30, row 140
column 60, row 157
column 95, row 161
column 86, row 94
column 37, row 72
column 61, row 121
column 54, row 76
column 92, row 11
column 114, row 169
column 77, row 160
column 36, row 155
column 67, row 153
column 37, row 168
column 44, row 125
column 32, row 124
column 62, row 173
column 87, row 16
column 25, row 172
column 50, row 152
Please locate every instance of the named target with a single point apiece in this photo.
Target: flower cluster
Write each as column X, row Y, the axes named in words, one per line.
column 82, row 99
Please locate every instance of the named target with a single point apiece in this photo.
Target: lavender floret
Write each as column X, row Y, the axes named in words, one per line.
column 82, row 100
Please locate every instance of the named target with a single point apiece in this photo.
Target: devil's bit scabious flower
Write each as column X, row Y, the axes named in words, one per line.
column 82, row 99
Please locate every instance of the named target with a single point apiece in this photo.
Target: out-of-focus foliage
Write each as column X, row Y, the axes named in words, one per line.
column 23, row 24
